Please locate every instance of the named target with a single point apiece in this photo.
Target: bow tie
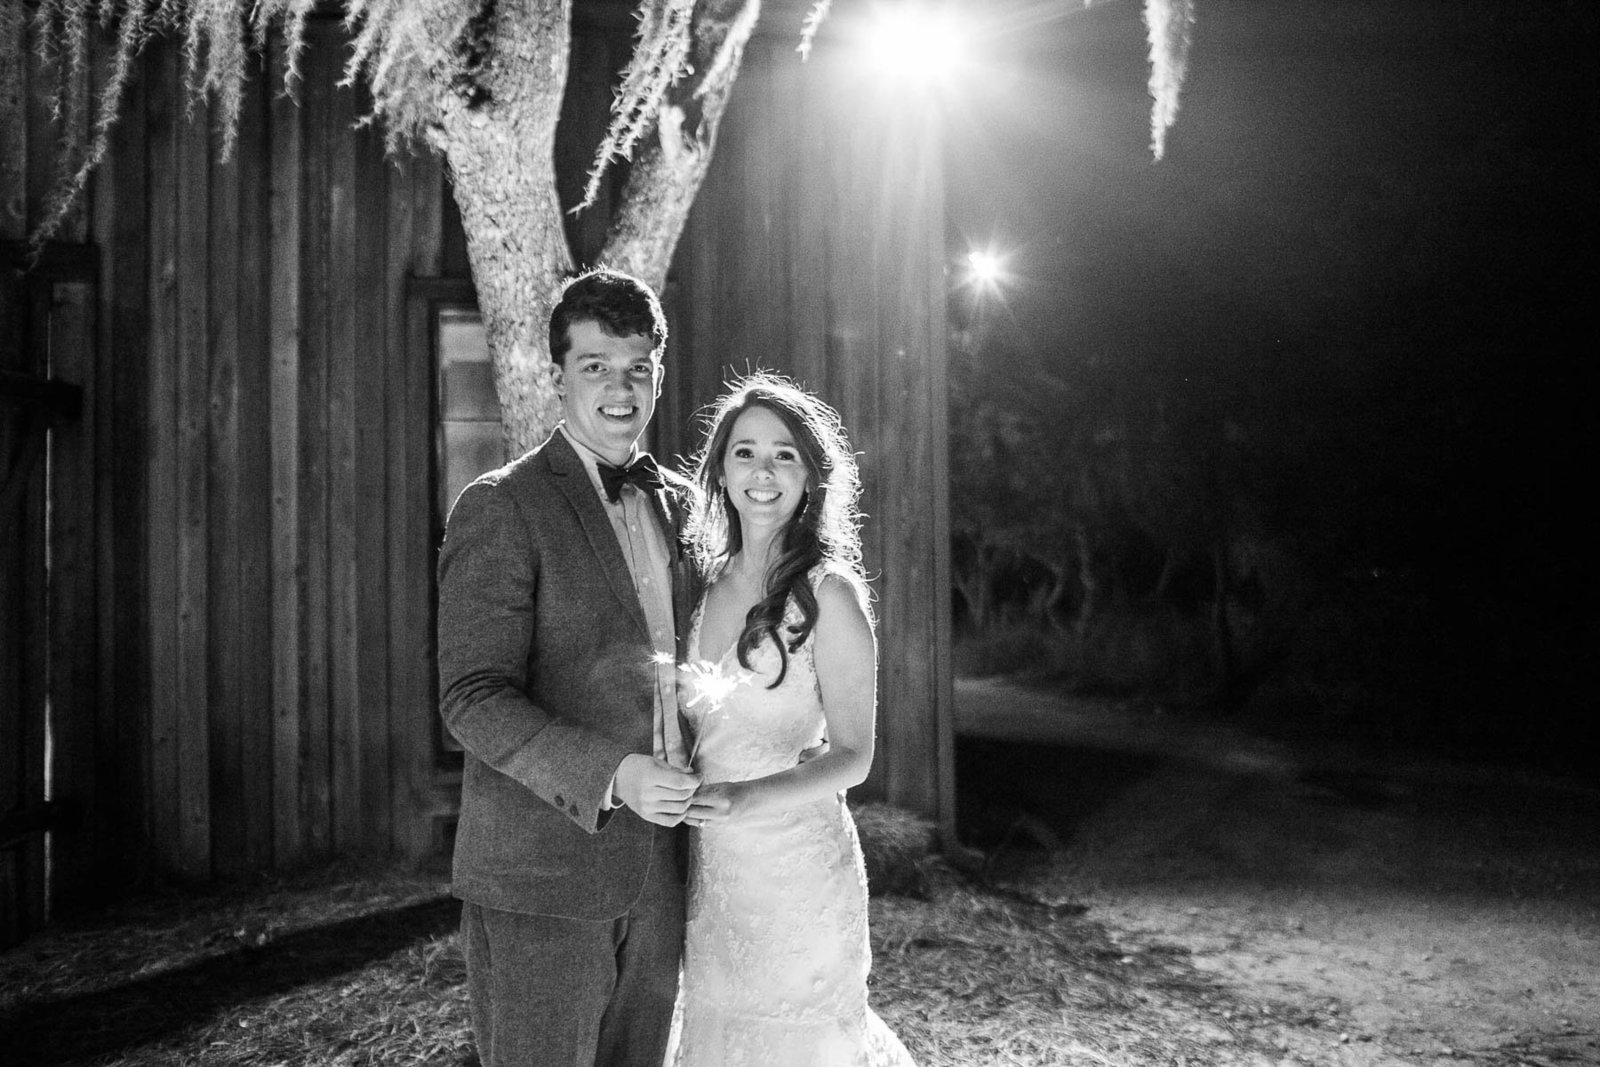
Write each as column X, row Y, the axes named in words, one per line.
column 641, row 472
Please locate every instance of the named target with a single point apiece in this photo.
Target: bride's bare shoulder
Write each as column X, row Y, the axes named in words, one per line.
column 841, row 595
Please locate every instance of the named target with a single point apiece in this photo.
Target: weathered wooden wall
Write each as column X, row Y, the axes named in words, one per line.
column 289, row 527
column 268, row 528
column 816, row 248
column 260, row 437
column 60, row 717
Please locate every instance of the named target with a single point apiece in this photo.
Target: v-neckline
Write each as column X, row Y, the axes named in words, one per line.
column 698, row 629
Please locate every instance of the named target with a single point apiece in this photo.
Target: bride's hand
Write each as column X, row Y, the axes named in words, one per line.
column 715, row 803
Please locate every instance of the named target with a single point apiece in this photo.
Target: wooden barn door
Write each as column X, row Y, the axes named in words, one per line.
column 47, row 585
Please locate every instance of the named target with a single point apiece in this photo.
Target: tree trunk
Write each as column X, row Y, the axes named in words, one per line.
column 496, row 131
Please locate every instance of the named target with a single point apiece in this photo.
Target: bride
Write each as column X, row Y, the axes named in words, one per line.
column 782, row 661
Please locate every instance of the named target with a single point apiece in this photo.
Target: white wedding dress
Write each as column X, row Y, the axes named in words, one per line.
column 775, row 954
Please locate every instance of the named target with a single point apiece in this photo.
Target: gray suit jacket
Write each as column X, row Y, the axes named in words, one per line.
column 545, row 678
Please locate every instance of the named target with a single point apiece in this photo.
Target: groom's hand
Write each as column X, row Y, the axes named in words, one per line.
column 656, row 791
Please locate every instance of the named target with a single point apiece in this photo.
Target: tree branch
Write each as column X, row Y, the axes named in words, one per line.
column 669, row 169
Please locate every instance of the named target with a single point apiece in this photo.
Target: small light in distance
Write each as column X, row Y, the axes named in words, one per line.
column 912, row 42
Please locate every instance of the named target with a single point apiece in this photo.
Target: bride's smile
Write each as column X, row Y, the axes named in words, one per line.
column 764, row 471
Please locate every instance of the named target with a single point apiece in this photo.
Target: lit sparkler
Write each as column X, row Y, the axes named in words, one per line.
column 704, row 683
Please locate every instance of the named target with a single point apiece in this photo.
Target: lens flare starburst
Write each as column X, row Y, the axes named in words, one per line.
column 704, row 685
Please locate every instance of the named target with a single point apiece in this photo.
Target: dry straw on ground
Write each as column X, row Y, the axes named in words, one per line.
column 362, row 968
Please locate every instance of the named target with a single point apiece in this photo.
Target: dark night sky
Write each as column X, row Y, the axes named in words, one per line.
column 1373, row 220
column 1371, row 242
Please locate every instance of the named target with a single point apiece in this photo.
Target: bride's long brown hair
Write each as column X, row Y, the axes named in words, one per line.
column 824, row 529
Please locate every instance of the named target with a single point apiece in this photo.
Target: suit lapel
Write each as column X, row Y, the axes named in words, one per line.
column 580, row 493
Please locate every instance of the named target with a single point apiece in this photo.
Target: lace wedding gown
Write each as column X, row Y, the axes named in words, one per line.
column 775, row 954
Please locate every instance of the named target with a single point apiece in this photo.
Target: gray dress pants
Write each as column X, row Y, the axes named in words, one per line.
column 557, row 992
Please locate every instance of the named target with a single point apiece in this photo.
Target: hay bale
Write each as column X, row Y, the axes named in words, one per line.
column 899, row 847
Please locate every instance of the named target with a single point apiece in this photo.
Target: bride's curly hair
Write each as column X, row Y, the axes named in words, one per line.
column 825, row 528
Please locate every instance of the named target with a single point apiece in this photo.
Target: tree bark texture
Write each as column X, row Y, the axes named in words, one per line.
column 498, row 109
column 496, row 130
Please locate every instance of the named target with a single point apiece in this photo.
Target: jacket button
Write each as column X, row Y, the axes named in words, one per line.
column 559, row 800
column 572, row 809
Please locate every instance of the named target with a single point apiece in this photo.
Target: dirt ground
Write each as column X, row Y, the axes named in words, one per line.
column 1417, row 910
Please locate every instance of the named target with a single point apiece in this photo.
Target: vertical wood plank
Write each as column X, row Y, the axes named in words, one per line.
column 51, row 142
column 933, row 259
column 316, row 263
column 12, row 517
column 75, row 224
column 192, row 660
column 345, row 733
column 409, row 750
column 14, row 50
column 761, row 343
column 370, row 387
column 254, row 512
column 693, row 350
column 428, row 194
column 773, row 194
column 807, row 248
column 897, row 194
column 33, row 590
column 124, row 354
column 223, row 610
column 73, row 642
column 854, row 361
column 425, row 528
column 109, row 757
column 41, row 146
column 585, row 114
column 737, row 246
column 165, row 109
column 285, row 122
column 22, row 865
column 903, row 440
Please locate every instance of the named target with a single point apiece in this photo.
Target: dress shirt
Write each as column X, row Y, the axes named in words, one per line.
column 644, row 547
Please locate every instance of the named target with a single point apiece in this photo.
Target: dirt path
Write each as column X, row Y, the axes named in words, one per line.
column 1414, row 910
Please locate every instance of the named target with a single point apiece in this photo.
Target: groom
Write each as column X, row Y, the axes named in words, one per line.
column 562, row 590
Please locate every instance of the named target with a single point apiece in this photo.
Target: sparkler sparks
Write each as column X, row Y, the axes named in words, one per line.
column 703, row 683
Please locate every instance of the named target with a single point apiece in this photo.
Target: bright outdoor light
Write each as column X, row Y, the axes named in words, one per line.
column 985, row 269
column 914, row 42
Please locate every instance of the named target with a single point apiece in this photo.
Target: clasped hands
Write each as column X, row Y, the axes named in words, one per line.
column 660, row 793
column 663, row 794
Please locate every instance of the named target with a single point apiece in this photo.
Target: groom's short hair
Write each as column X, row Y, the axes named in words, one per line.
column 618, row 303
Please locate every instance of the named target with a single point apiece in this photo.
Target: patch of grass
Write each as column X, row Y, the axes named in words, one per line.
column 350, row 970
